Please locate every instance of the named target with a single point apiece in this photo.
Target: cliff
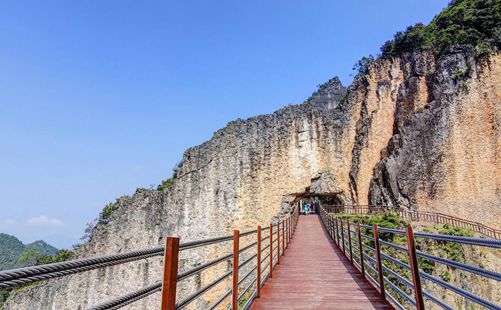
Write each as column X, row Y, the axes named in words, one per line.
column 416, row 132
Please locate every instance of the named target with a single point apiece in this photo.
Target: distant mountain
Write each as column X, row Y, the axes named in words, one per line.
column 10, row 250
column 14, row 254
column 43, row 247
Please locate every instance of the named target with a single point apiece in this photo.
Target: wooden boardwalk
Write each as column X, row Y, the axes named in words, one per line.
column 314, row 274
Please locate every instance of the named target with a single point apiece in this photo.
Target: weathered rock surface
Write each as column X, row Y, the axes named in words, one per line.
column 444, row 152
column 415, row 133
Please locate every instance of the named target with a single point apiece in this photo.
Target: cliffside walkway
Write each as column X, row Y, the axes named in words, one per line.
column 314, row 274
column 297, row 262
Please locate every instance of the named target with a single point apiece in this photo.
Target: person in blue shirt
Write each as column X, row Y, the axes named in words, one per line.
column 306, row 208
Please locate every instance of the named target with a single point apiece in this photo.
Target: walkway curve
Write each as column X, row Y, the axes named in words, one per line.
column 314, row 274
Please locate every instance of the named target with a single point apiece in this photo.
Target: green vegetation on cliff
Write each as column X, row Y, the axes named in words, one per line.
column 167, row 183
column 476, row 23
column 108, row 210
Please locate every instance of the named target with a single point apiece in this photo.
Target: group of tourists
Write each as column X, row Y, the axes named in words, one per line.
column 309, row 208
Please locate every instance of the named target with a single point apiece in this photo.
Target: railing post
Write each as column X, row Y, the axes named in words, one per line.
column 334, row 230
column 283, row 237
column 336, row 227
column 169, row 283
column 342, row 238
column 234, row 292
column 349, row 240
column 411, row 245
column 271, row 250
column 258, row 294
column 287, row 232
column 378, row 260
column 329, row 224
column 326, row 220
column 286, row 236
column 291, row 220
column 278, row 243
column 289, row 235
column 360, row 246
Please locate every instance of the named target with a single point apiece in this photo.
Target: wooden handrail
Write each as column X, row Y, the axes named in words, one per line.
column 415, row 215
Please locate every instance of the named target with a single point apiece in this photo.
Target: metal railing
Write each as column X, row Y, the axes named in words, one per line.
column 366, row 254
column 259, row 266
column 418, row 216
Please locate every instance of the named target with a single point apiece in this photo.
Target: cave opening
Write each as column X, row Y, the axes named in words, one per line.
column 314, row 200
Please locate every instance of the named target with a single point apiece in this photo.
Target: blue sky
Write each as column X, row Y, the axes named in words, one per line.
column 98, row 98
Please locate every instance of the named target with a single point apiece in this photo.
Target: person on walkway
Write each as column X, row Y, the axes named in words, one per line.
column 315, row 207
column 306, row 208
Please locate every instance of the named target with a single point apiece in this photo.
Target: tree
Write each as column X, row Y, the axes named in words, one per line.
column 362, row 66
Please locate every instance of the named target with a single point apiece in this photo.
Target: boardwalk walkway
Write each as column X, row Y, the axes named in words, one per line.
column 314, row 274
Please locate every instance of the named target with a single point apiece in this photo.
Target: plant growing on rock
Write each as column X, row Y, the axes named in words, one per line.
column 167, row 183
column 108, row 210
column 475, row 23
column 362, row 65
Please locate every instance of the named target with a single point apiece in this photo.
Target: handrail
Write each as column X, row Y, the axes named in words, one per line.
column 420, row 216
column 374, row 269
column 283, row 231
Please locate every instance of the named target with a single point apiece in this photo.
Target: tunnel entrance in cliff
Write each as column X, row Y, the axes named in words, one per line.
column 322, row 191
column 312, row 201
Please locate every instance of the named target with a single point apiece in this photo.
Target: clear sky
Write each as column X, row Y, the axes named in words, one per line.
column 100, row 97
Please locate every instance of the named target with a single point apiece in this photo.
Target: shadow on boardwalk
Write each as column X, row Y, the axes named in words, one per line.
column 314, row 274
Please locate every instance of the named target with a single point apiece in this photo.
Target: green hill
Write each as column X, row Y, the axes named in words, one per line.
column 15, row 254
column 10, row 251
column 43, row 247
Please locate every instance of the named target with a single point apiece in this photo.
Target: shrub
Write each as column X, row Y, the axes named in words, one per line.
column 446, row 276
column 388, row 219
column 167, row 183
column 454, row 251
column 108, row 210
column 4, row 294
column 362, row 66
column 61, row 256
column 450, row 230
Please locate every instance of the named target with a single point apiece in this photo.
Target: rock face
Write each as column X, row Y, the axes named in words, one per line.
column 415, row 133
column 444, row 151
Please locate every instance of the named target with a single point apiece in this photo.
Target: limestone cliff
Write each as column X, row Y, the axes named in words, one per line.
column 413, row 132
column 444, row 150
